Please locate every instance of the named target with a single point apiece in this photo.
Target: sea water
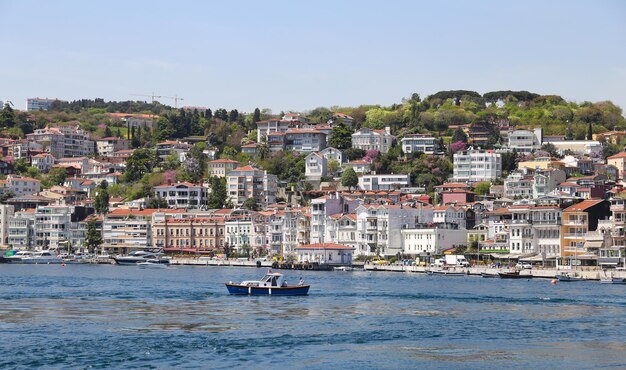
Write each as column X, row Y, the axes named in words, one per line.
column 100, row 316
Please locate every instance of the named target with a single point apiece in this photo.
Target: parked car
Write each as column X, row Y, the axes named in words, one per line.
column 524, row 265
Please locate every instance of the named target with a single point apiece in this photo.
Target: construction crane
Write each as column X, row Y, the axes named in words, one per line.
column 153, row 96
column 175, row 98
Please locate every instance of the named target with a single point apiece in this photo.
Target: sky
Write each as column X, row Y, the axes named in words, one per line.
column 297, row 55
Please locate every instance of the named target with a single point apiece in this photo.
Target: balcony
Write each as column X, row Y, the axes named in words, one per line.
column 578, row 222
column 547, row 222
column 528, row 222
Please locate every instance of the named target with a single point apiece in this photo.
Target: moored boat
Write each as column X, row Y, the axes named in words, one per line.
column 446, row 273
column 489, row 275
column 273, row 283
column 513, row 275
column 141, row 256
column 42, row 258
column 614, row 280
column 343, row 268
column 569, row 277
column 150, row 264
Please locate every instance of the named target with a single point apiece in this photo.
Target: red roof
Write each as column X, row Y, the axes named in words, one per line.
column 618, row 155
column 246, row 168
column 585, row 204
column 223, row 161
column 326, row 246
column 142, row 212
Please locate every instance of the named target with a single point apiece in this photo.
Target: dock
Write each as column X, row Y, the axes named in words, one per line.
column 545, row 273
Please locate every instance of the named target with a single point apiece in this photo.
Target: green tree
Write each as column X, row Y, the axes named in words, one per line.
column 251, row 204
column 101, row 203
column 459, row 135
column 107, row 131
column 171, row 162
column 156, row 202
column 93, row 238
column 141, row 162
column 7, row 116
column 349, row 178
column 551, row 150
column 217, row 196
column 57, row 176
column 333, row 166
column 256, row 117
column 340, row 137
column 482, row 188
column 196, row 163
column 20, row 166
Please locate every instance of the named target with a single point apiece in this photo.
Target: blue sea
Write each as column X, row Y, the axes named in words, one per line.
column 101, row 316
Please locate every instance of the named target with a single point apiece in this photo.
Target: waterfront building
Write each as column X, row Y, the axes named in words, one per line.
column 369, row 139
column 7, row 212
column 183, row 195
column 379, row 227
column 535, row 229
column 432, row 239
column 249, row 182
column 476, row 165
column 59, row 227
column 296, row 229
column 21, row 229
column 420, row 143
column 325, row 253
column 188, row 234
column 322, row 208
column 613, row 255
column 578, row 220
column 464, row 217
column 342, row 229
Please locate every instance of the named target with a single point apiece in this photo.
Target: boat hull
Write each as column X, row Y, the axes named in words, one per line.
column 512, row 275
column 237, row 289
column 613, row 281
column 446, row 273
column 125, row 261
column 569, row 278
column 489, row 276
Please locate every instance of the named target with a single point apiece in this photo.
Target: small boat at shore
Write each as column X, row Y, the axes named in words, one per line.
column 613, row 280
column 343, row 268
column 513, row 275
column 489, row 275
column 569, row 277
column 446, row 273
column 273, row 283
column 153, row 264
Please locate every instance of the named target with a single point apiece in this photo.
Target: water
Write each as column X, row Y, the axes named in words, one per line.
column 88, row 316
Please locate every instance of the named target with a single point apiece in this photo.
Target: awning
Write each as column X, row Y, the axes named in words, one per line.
column 594, row 244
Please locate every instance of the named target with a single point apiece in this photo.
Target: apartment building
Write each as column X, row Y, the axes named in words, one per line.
column 369, row 139
column 579, row 220
column 22, row 185
column 476, row 165
column 384, row 182
column 222, row 167
column 21, row 230
column 249, row 182
column 185, row 234
column 379, row 226
column 37, row 104
column 264, row 128
column 322, row 208
column 315, row 167
column 525, row 141
column 106, row 146
column 433, row 239
column 7, row 212
column 183, row 195
column 535, row 229
column 64, row 141
column 420, row 143
column 43, row 162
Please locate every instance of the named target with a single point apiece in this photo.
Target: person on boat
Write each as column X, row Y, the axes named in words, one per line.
column 284, row 283
column 301, row 282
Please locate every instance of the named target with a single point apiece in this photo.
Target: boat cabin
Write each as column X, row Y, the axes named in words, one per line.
column 271, row 279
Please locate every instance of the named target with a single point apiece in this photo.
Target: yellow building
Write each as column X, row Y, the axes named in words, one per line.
column 613, row 137
column 542, row 163
column 618, row 160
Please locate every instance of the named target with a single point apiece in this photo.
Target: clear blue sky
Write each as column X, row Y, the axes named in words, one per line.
column 297, row 55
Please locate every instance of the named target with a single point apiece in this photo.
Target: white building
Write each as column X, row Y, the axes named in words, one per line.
column 315, row 167
column 525, row 141
column 43, row 162
column 456, row 215
column 477, row 165
column 6, row 214
column 36, row 104
column 305, row 140
column 589, row 147
column 22, row 185
column 332, row 153
column 379, row 227
column 384, row 182
column 359, row 166
column 322, row 208
column 535, row 229
column 416, row 143
column 222, row 167
column 21, row 229
column 64, row 141
column 368, row 139
column 432, row 239
column 183, row 195
column 325, row 253
column 127, row 230
column 532, row 183
column 249, row 182
column 264, row 128
column 296, row 229
column 106, row 146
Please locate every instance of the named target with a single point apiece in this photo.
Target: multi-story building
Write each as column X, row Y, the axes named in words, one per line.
column 184, row 234
column 420, row 143
column 21, row 228
column 359, row 166
column 22, row 185
column 249, row 182
column 477, row 165
column 135, row 120
column 589, row 147
column 167, row 148
column 342, row 229
column 296, row 229
column 183, row 195
column 464, row 217
column 618, row 160
column 331, row 153
column 264, row 128
column 7, row 212
column 369, row 139
column 613, row 255
column 59, row 227
column 106, row 146
column 384, row 182
column 578, row 221
column 322, row 208
column 379, row 227
column 433, row 239
column 315, row 166
column 127, row 230
column 525, row 141
column 43, row 162
column 304, row 140
column 64, row 141
column 222, row 167
column 535, row 229
column 53, row 139
column 37, row 104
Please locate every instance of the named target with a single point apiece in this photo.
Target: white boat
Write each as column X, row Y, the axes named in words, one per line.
column 343, row 268
column 569, row 277
column 152, row 265
column 141, row 256
column 18, row 256
column 612, row 280
column 42, row 258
